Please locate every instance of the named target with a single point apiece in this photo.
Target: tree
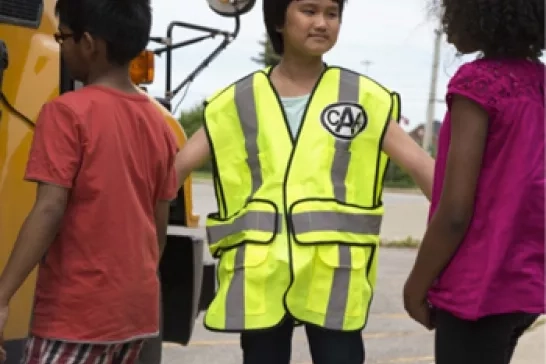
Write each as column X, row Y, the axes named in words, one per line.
column 267, row 57
column 191, row 121
column 397, row 177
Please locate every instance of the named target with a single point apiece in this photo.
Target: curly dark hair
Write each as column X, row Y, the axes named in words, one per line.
column 496, row 28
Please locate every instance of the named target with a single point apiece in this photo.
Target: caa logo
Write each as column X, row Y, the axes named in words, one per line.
column 344, row 120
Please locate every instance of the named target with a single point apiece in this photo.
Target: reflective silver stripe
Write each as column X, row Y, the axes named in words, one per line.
column 307, row 222
column 339, row 293
column 349, row 86
column 348, row 92
column 251, row 220
column 246, row 109
column 235, row 299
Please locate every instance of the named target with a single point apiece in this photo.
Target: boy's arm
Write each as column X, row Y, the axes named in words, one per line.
column 193, row 155
column 168, row 192
column 35, row 237
column 161, row 224
column 54, row 161
column 407, row 154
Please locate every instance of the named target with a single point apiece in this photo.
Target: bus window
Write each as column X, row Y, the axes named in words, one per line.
column 25, row 13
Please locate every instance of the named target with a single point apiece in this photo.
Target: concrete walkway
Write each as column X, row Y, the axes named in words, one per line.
column 532, row 346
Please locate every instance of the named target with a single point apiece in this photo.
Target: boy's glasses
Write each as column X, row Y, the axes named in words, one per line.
column 61, row 37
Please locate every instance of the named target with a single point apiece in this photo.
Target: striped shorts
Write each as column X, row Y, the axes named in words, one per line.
column 44, row 351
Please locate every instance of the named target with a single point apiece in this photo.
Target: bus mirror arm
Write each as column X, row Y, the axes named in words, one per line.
column 169, row 47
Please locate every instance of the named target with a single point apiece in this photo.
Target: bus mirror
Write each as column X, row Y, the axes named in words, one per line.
column 231, row 8
column 142, row 68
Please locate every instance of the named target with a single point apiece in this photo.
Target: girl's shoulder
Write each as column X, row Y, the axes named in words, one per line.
column 490, row 82
column 499, row 68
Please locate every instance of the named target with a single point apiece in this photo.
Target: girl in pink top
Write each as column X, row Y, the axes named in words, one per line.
column 480, row 268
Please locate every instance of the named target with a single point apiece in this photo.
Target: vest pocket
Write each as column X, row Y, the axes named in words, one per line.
column 257, row 223
column 339, row 283
column 240, row 272
column 342, row 240
column 327, row 221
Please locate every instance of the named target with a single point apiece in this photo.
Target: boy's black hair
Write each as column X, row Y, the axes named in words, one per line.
column 274, row 16
column 500, row 28
column 123, row 24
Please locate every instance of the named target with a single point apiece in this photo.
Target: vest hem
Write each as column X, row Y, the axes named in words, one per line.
column 239, row 331
column 308, row 323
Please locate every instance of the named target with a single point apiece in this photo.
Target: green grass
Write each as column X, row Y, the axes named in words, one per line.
column 407, row 243
column 201, row 175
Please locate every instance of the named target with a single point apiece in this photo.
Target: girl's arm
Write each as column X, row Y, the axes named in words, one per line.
column 193, row 155
column 409, row 156
column 448, row 226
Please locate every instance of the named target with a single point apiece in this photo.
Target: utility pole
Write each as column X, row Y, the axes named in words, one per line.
column 367, row 63
column 427, row 138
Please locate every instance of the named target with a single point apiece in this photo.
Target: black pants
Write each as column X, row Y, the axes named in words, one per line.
column 489, row 340
column 274, row 346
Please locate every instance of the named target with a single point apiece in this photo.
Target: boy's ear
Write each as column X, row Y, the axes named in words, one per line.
column 88, row 43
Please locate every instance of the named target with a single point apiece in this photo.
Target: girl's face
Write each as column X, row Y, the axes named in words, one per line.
column 452, row 12
column 311, row 27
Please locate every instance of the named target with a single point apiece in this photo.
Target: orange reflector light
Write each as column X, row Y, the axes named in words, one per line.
column 141, row 68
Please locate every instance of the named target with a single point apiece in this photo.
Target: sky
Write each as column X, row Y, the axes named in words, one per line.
column 396, row 36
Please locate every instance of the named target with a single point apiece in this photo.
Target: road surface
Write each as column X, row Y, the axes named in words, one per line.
column 390, row 336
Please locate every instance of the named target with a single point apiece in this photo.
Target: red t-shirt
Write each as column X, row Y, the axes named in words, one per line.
column 98, row 281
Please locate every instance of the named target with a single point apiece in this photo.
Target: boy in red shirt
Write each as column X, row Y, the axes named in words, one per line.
column 103, row 159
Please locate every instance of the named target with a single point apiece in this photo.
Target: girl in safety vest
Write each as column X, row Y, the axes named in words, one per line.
column 480, row 267
column 299, row 153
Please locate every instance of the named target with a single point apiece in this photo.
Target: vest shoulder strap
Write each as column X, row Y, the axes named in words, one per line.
column 379, row 89
column 222, row 90
column 370, row 82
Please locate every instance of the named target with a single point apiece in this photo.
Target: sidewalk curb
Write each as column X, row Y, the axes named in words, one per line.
column 538, row 323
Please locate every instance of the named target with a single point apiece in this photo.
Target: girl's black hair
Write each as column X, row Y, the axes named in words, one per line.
column 497, row 28
column 274, row 17
column 123, row 24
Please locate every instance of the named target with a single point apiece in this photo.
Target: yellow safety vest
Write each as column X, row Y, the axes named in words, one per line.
column 297, row 227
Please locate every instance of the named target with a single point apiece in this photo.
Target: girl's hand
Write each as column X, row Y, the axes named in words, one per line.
column 416, row 304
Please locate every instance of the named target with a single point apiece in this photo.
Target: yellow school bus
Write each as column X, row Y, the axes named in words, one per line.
column 32, row 73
